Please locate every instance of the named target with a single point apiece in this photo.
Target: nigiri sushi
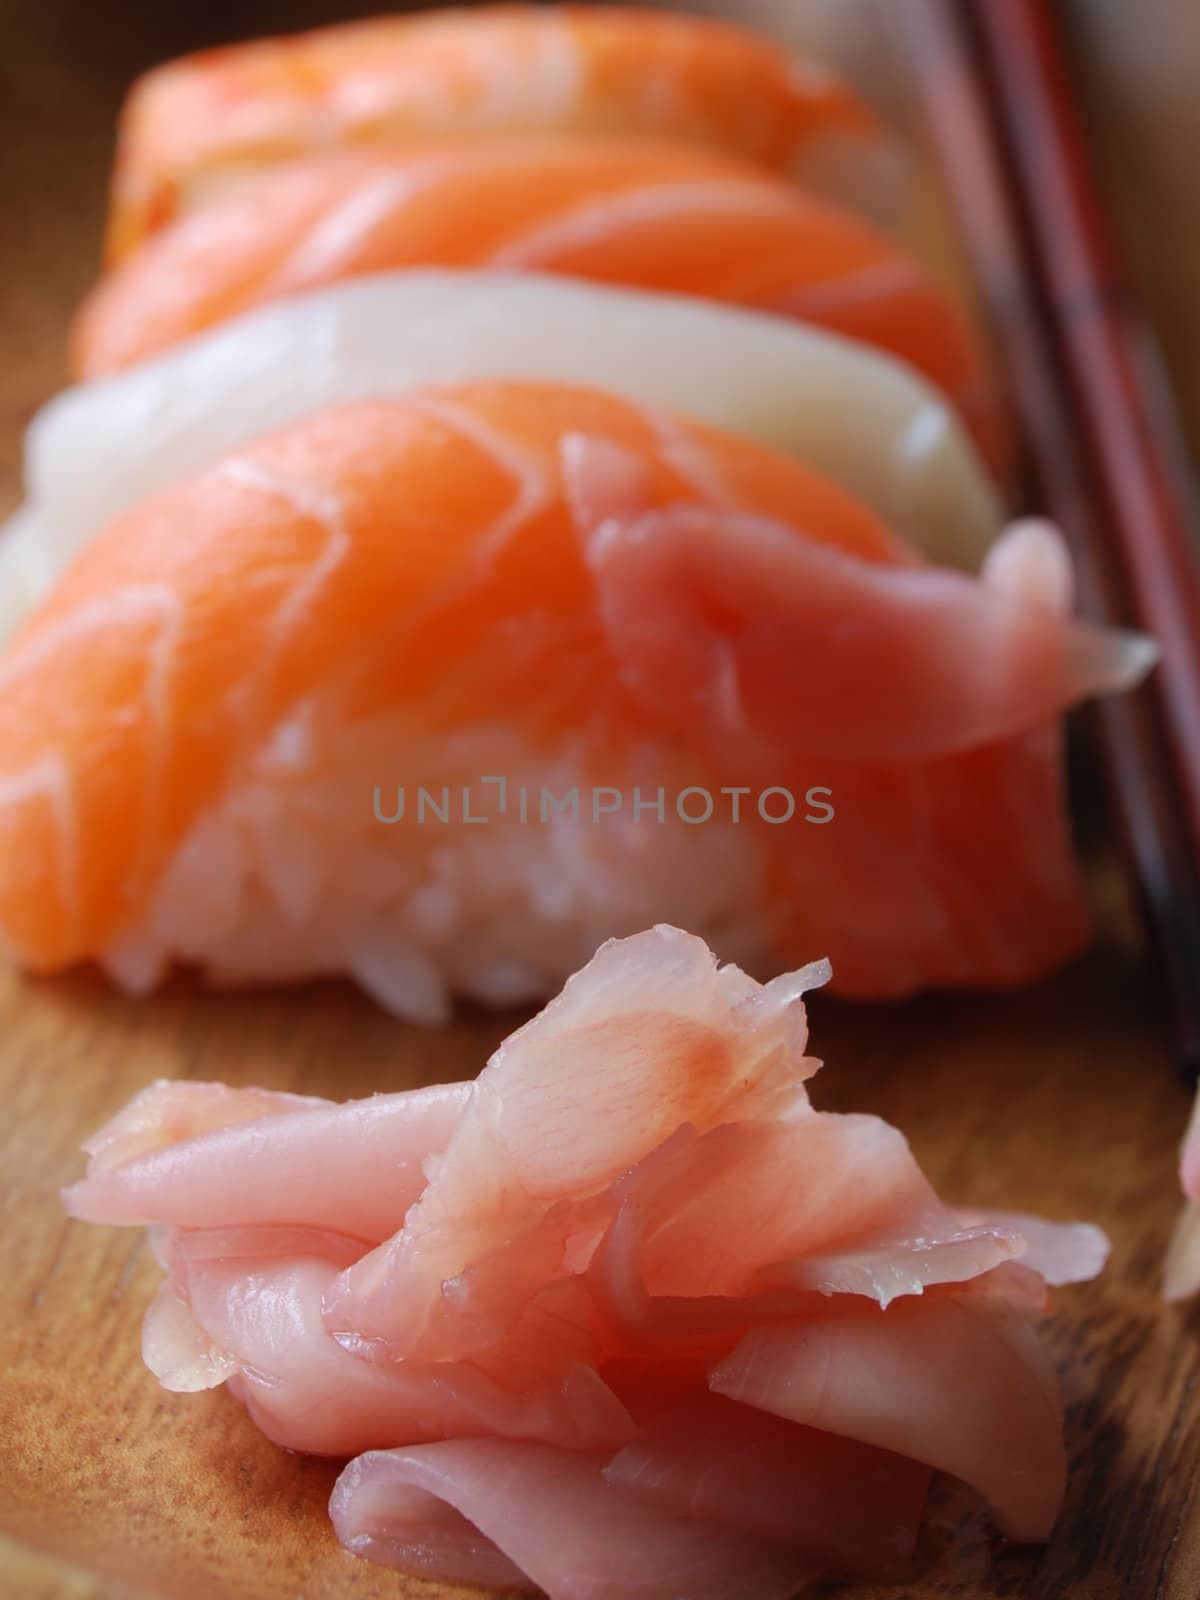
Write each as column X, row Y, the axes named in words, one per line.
column 627, row 1316
column 193, row 128
column 618, row 210
column 442, row 690
column 99, row 448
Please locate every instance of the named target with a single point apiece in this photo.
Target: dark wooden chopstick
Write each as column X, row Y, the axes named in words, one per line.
column 1101, row 340
column 999, row 107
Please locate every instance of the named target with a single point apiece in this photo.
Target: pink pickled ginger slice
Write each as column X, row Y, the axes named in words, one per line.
column 650, row 1035
column 966, row 1388
column 356, row 1167
column 550, row 1516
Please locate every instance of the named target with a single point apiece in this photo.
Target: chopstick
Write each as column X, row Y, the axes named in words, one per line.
column 999, row 107
column 1103, row 347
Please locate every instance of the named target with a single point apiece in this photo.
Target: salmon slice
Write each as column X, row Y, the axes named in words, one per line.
column 193, row 127
column 327, row 528
column 621, row 211
column 561, row 587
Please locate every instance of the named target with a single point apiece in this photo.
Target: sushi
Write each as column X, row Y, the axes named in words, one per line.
column 628, row 1315
column 194, row 128
column 625, row 211
column 442, row 690
column 786, row 386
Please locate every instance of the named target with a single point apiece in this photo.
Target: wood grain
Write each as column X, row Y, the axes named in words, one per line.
column 1060, row 1099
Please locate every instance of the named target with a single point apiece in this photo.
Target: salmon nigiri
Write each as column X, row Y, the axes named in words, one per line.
column 193, row 127
column 444, row 689
column 646, row 213
column 628, row 1316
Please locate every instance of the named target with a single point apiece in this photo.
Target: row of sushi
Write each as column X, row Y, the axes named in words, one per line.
column 408, row 457
column 522, row 397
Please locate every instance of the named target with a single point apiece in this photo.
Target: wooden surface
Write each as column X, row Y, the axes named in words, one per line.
column 1060, row 1100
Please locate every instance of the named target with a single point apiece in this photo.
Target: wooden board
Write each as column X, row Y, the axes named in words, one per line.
column 1060, row 1100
